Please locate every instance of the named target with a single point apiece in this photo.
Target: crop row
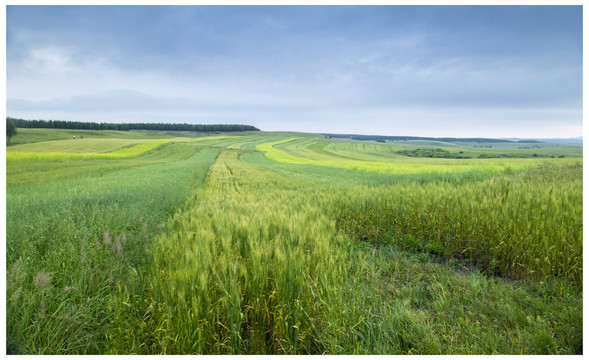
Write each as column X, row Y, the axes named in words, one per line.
column 526, row 226
column 240, row 271
column 122, row 153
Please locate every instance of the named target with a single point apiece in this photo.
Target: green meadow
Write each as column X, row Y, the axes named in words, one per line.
column 142, row 242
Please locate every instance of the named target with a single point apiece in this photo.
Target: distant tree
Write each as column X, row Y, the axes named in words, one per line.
column 10, row 128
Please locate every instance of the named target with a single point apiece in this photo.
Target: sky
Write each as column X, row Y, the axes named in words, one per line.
column 452, row 71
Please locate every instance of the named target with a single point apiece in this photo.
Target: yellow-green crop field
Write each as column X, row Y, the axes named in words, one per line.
column 280, row 243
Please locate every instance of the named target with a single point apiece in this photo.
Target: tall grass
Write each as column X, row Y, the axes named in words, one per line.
column 240, row 271
column 527, row 225
column 71, row 241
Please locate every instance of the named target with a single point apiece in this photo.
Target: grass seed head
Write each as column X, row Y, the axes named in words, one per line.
column 43, row 282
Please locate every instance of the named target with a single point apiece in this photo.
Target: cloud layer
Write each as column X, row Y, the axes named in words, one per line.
column 397, row 70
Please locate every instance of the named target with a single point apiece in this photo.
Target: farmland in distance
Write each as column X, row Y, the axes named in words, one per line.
column 138, row 242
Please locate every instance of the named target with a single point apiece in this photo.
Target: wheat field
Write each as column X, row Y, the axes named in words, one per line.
column 278, row 243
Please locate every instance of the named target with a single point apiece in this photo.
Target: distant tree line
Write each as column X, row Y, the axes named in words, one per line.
column 191, row 127
column 402, row 138
column 79, row 125
column 61, row 124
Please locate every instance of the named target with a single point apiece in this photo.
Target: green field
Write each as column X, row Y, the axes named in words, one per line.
column 141, row 242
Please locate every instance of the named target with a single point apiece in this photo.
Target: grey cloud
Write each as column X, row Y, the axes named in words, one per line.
column 129, row 100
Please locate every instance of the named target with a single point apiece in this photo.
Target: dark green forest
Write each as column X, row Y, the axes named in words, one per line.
column 79, row 125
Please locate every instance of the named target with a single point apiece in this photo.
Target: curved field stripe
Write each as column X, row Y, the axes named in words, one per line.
column 123, row 153
column 399, row 168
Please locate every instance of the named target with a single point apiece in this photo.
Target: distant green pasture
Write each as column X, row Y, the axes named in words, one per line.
column 26, row 136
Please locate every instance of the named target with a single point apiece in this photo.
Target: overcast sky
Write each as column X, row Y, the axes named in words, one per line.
column 492, row 71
